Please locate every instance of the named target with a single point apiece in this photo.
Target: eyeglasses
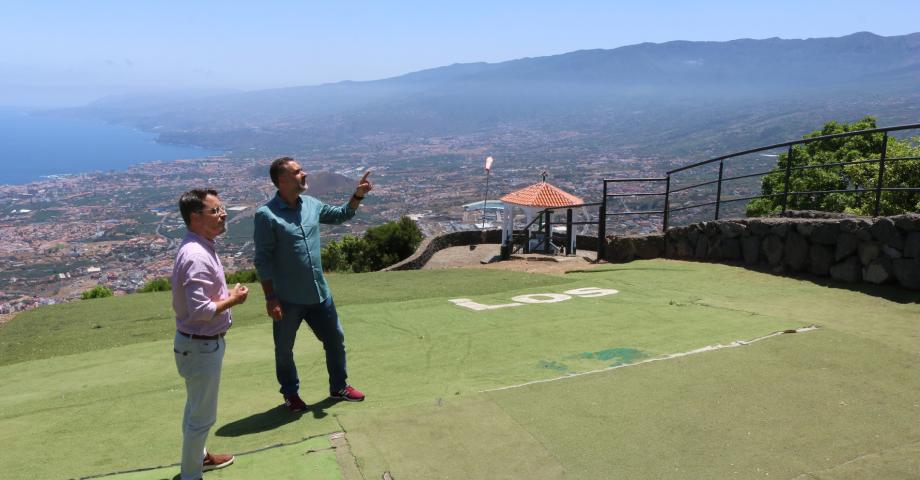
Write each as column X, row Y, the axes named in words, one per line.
column 214, row 210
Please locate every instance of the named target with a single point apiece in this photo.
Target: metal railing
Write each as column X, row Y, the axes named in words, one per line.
column 667, row 210
column 603, row 214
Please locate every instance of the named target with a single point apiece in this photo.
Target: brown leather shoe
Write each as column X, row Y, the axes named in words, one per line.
column 213, row 461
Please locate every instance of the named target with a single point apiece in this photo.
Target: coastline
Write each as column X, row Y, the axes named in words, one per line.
column 41, row 146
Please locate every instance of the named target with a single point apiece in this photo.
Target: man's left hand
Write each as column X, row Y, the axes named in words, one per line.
column 364, row 185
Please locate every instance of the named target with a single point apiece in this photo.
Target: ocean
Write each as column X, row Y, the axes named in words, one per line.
column 35, row 146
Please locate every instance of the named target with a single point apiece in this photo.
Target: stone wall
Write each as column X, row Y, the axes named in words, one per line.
column 850, row 249
column 845, row 248
column 431, row 245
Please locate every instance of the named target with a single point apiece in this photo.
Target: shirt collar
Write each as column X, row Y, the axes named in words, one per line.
column 192, row 236
column 282, row 204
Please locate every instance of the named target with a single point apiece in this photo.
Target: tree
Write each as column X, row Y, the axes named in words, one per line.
column 391, row 242
column 347, row 255
column 380, row 247
column 99, row 291
column 355, row 255
column 864, row 176
column 332, row 257
column 159, row 284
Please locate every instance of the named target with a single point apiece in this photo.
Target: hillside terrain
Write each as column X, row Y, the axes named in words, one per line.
column 678, row 96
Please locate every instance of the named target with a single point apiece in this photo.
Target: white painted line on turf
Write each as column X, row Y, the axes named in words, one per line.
column 708, row 348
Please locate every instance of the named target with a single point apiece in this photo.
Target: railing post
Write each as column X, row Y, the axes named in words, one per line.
column 881, row 175
column 548, row 232
column 667, row 205
column 569, row 250
column 789, row 157
column 602, row 226
column 719, row 188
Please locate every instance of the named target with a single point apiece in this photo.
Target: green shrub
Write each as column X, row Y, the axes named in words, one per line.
column 159, row 284
column 99, row 291
column 380, row 247
column 241, row 276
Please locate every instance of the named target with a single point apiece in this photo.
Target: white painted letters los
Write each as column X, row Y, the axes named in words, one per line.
column 520, row 300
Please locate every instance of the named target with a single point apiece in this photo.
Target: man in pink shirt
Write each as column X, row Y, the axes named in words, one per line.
column 202, row 305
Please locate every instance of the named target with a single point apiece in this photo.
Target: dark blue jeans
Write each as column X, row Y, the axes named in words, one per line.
column 324, row 321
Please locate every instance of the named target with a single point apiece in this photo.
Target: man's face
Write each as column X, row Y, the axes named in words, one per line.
column 292, row 179
column 212, row 218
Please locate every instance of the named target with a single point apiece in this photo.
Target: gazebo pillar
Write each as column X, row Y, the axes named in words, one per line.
column 507, row 222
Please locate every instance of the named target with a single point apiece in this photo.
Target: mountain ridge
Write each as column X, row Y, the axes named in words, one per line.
column 588, row 90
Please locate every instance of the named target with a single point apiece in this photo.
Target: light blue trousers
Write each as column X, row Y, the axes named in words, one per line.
column 198, row 362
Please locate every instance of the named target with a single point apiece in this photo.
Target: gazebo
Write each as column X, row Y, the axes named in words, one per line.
column 532, row 200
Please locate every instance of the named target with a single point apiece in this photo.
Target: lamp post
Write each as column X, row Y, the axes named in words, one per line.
column 486, row 196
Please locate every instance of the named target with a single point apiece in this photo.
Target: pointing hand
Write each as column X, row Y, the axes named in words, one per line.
column 364, row 185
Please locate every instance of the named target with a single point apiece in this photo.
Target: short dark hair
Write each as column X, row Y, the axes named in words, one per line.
column 275, row 170
column 193, row 201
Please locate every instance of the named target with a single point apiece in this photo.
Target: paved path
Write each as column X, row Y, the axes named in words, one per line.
column 464, row 257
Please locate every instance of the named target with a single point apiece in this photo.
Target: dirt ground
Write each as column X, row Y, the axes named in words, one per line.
column 465, row 257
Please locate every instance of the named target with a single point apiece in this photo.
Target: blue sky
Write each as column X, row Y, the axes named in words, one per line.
column 67, row 52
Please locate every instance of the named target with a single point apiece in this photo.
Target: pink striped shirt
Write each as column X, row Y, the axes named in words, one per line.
column 197, row 282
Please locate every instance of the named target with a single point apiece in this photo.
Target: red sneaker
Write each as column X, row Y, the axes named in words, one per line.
column 349, row 394
column 213, row 461
column 294, row 403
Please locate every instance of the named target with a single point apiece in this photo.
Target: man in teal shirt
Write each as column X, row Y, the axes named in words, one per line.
column 291, row 271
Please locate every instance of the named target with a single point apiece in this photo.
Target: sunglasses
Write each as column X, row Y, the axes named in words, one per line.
column 214, row 210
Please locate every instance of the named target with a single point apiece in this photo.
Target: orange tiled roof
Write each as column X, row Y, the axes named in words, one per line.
column 542, row 195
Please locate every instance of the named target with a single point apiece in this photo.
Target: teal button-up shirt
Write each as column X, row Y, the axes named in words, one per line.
column 288, row 247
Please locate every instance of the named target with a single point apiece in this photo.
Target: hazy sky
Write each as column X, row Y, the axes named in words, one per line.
column 67, row 52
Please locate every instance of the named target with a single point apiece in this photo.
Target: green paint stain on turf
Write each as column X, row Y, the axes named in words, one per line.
column 621, row 356
column 552, row 365
column 589, row 360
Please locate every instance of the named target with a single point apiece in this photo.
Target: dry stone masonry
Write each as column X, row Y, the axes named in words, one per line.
column 848, row 249
column 845, row 248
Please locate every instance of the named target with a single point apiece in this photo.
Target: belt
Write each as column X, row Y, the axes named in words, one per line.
column 195, row 336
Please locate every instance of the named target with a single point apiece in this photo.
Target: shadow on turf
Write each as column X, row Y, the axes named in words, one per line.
column 624, row 269
column 890, row 291
column 272, row 419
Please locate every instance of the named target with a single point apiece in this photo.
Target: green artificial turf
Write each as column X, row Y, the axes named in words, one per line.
column 312, row 459
column 767, row 410
column 770, row 408
column 87, row 325
column 424, row 362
